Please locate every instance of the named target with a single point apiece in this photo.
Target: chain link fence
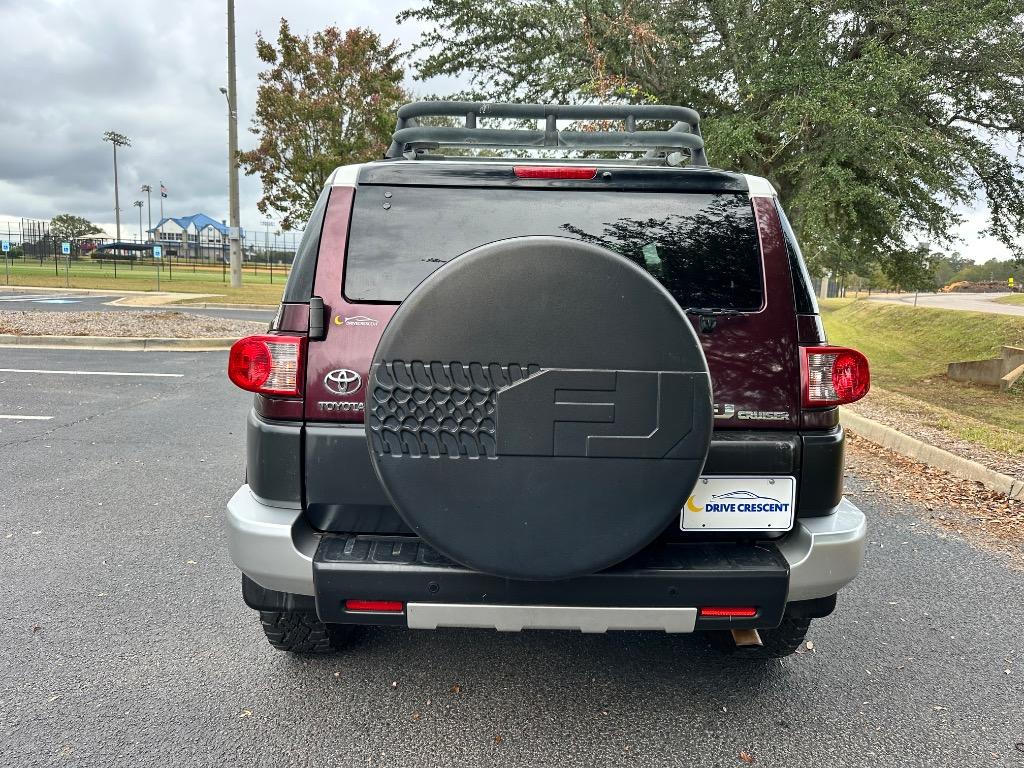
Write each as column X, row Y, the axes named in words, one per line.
column 33, row 245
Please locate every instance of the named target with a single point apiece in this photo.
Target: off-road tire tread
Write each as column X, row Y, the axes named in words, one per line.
column 301, row 632
column 785, row 639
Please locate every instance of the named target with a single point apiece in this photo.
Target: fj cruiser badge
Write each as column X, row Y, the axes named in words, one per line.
column 728, row 411
column 763, row 415
column 724, row 410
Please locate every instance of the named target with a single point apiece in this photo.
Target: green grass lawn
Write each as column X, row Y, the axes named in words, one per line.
column 256, row 288
column 1016, row 298
column 909, row 347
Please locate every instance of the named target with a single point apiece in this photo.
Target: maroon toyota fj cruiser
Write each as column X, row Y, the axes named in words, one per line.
column 514, row 393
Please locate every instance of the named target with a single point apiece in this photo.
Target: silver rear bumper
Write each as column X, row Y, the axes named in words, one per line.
column 515, row 618
column 262, row 545
column 824, row 555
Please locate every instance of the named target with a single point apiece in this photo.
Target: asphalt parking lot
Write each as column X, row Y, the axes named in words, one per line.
column 125, row 641
column 55, row 301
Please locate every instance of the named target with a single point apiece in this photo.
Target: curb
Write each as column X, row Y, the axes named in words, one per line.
column 122, row 343
column 78, row 291
column 912, row 448
column 241, row 307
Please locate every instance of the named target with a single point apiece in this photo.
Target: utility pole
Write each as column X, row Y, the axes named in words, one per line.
column 118, row 140
column 235, row 233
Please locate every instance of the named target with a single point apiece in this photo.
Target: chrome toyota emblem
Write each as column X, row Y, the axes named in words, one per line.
column 343, row 381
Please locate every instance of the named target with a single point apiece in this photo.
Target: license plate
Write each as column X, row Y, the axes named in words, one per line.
column 737, row 503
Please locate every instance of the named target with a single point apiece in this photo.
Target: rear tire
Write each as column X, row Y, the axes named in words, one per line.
column 303, row 632
column 779, row 642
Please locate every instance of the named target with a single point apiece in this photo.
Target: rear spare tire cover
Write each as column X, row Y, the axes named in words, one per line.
column 539, row 408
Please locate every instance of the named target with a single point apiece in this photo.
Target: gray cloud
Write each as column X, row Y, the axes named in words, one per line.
column 74, row 69
column 150, row 71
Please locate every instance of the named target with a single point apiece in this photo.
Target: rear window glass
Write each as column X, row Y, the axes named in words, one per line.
column 702, row 247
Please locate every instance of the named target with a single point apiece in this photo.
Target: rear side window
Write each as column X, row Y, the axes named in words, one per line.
column 702, row 247
column 806, row 303
column 299, row 287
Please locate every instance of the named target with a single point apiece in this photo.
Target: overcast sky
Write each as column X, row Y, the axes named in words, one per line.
column 151, row 70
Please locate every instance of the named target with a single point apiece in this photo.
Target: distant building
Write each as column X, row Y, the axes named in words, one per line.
column 197, row 236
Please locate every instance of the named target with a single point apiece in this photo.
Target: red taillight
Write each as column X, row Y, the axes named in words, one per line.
column 268, row 365
column 729, row 612
column 834, row 376
column 380, row 606
column 554, row 172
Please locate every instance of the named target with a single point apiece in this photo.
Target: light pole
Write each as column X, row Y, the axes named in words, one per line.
column 138, row 204
column 149, row 209
column 231, row 94
column 163, row 194
column 118, row 140
column 266, row 238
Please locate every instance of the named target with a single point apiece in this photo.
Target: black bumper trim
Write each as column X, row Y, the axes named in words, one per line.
column 664, row 575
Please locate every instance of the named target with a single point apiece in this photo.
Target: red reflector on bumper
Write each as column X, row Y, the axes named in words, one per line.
column 736, row 612
column 382, row 606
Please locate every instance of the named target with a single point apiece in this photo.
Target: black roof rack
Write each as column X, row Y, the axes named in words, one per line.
column 411, row 138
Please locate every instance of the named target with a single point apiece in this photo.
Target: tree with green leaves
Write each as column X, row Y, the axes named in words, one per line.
column 947, row 265
column 874, row 120
column 911, row 269
column 327, row 99
column 67, row 227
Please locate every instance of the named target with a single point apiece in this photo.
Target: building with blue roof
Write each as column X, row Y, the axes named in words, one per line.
column 197, row 236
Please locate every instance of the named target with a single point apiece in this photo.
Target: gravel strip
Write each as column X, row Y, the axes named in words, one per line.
column 917, row 419
column 140, row 324
column 988, row 518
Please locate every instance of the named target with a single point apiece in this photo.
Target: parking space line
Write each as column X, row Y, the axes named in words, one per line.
column 94, row 373
column 26, row 418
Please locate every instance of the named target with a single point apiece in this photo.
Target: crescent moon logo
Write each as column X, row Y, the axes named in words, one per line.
column 693, row 507
column 338, row 320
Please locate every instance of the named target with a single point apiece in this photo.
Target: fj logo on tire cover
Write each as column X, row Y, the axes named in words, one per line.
column 607, row 414
column 511, row 410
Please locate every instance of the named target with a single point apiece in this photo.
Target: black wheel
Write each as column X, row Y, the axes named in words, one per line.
column 780, row 642
column 302, row 632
